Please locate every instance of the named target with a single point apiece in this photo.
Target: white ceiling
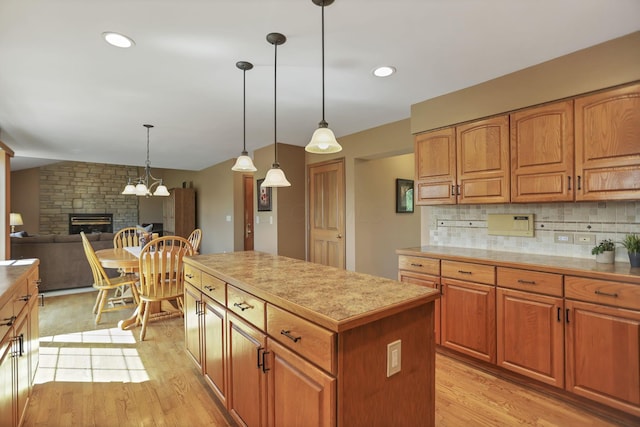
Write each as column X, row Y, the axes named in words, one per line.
column 65, row 94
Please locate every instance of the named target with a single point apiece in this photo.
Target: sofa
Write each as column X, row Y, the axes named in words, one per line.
column 63, row 264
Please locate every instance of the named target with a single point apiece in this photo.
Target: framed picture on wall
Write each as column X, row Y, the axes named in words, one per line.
column 404, row 195
column 264, row 196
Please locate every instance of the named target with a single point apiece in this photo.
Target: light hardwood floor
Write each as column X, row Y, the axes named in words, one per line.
column 96, row 375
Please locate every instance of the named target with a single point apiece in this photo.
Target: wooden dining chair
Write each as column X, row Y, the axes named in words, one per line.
column 128, row 236
column 195, row 238
column 104, row 284
column 161, row 277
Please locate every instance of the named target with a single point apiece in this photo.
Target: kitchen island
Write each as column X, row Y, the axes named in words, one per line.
column 288, row 342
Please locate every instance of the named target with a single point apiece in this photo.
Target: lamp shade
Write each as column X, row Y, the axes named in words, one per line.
column 161, row 191
column 275, row 177
column 244, row 164
column 323, row 141
column 129, row 189
column 15, row 219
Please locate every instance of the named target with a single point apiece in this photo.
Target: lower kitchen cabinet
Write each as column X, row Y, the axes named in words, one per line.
column 299, row 393
column 468, row 323
column 430, row 282
column 214, row 345
column 6, row 380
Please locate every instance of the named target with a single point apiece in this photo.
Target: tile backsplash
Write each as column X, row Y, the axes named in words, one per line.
column 466, row 226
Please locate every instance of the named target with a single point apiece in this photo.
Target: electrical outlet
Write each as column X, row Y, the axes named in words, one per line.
column 585, row 239
column 394, row 357
column 563, row 237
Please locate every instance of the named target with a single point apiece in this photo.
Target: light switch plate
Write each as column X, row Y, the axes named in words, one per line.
column 394, row 357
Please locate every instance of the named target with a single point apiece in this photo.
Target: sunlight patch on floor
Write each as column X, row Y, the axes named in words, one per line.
column 83, row 363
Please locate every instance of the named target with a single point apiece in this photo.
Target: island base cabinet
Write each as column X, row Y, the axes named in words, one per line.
column 192, row 303
column 214, row 337
column 299, row 393
column 603, row 354
column 247, row 397
column 7, row 414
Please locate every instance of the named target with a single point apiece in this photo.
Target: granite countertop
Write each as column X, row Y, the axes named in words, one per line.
column 334, row 298
column 619, row 271
column 11, row 272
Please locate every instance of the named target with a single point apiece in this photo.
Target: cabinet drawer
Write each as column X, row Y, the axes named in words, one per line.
column 305, row 338
column 192, row 275
column 467, row 271
column 246, row 306
column 6, row 313
column 21, row 297
column 419, row 264
column 214, row 287
column 602, row 292
column 530, row 281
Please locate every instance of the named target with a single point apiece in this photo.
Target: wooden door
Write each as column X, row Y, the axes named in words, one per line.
column 300, row 394
column 247, row 394
column 542, row 154
column 530, row 335
column 603, row 354
column 483, row 161
column 213, row 340
column 192, row 310
column 468, row 323
column 608, row 145
column 429, row 282
column 435, row 157
column 247, row 183
column 327, row 213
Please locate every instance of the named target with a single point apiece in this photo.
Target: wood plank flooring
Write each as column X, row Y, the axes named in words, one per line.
column 96, row 375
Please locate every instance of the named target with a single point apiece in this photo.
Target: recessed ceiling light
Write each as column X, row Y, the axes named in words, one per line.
column 118, row 40
column 384, row 71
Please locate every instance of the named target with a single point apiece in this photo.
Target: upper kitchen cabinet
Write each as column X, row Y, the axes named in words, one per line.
column 608, row 145
column 435, row 156
column 483, row 161
column 542, row 154
column 465, row 164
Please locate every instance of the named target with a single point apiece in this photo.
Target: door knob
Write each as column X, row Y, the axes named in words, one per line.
column 339, row 236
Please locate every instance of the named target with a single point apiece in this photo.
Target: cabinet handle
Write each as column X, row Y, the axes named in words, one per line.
column 413, row 264
column 190, row 276
column 9, row 320
column 209, row 288
column 258, row 359
column 567, row 315
column 41, row 296
column 527, row 282
column 606, row 294
column 464, row 272
column 453, row 190
column 579, row 182
column 458, row 190
column 569, row 181
column 24, row 298
column 264, row 363
column 242, row 305
column 559, row 319
column 288, row 335
column 260, row 355
column 21, row 345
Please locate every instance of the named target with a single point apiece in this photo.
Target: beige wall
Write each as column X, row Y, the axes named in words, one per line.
column 25, row 190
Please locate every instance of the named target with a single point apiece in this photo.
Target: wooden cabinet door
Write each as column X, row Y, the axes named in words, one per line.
column 542, row 153
column 192, row 310
column 483, row 161
column 213, row 340
column 429, row 282
column 21, row 357
column 603, row 354
column 299, row 393
column 247, row 396
column 468, row 323
column 435, row 157
column 7, row 413
column 530, row 335
column 608, row 145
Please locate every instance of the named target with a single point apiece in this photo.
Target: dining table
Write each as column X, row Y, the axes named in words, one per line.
column 127, row 259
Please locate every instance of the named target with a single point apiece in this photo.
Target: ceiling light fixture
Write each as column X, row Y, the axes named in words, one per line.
column 244, row 162
column 384, row 71
column 323, row 141
column 275, row 176
column 142, row 187
column 117, row 39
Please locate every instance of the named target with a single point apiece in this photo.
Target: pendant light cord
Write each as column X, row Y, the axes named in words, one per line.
column 275, row 83
column 323, row 120
column 244, row 111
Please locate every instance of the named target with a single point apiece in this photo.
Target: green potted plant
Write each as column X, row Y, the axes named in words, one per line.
column 605, row 251
column 632, row 243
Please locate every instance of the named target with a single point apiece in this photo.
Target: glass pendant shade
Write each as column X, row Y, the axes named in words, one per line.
column 275, row 177
column 161, row 191
column 244, row 163
column 129, row 189
column 323, row 141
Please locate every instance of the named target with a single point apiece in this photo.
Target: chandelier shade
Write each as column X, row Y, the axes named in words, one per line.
column 275, row 176
column 244, row 162
column 323, row 141
column 144, row 185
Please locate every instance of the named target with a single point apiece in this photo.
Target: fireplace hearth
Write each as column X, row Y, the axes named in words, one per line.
column 90, row 223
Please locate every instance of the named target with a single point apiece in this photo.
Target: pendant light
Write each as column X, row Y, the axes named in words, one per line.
column 323, row 141
column 142, row 187
column 275, row 176
column 244, row 162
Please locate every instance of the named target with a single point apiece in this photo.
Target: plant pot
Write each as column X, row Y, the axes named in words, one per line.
column 606, row 257
column 634, row 259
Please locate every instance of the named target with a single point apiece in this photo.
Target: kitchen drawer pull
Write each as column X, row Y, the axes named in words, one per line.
column 453, row 190
column 559, row 311
column 527, row 282
column 464, row 272
column 10, row 321
column 567, row 314
column 415, row 264
column 606, row 294
column 288, row 335
column 242, row 305
column 190, row 276
column 579, row 182
column 209, row 288
column 569, row 181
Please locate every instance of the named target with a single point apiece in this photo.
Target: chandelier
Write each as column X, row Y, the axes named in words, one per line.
column 142, row 186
